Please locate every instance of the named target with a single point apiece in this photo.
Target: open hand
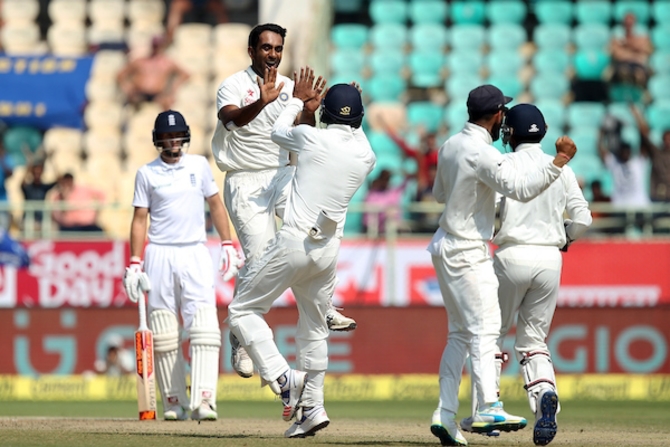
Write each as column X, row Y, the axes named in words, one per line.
column 269, row 91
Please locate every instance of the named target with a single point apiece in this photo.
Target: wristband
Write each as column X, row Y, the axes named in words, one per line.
column 226, row 243
column 564, row 155
column 135, row 260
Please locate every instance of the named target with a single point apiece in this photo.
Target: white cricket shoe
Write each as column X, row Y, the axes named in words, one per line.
column 493, row 418
column 444, row 427
column 205, row 412
column 175, row 413
column 240, row 359
column 312, row 420
column 292, row 384
column 545, row 421
column 336, row 321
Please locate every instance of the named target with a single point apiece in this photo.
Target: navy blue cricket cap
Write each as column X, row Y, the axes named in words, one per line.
column 526, row 120
column 486, row 99
column 343, row 103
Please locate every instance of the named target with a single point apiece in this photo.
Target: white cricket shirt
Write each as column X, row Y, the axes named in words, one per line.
column 249, row 147
column 469, row 172
column 175, row 196
column 332, row 164
column 628, row 179
column 540, row 221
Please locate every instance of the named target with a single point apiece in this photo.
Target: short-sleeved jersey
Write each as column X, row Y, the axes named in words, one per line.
column 630, row 187
column 332, row 164
column 175, row 196
column 249, row 147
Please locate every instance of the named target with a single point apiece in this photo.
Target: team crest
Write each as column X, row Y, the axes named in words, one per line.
column 345, row 111
column 533, row 128
column 283, row 96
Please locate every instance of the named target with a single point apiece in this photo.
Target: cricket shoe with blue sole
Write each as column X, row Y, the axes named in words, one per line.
column 444, row 427
column 545, row 425
column 312, row 420
column 493, row 419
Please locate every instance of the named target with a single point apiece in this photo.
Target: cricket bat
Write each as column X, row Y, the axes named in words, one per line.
column 144, row 365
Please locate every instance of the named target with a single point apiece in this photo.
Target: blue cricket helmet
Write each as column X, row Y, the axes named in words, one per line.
column 343, row 104
column 170, row 121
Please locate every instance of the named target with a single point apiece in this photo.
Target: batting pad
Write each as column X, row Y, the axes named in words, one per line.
column 313, row 359
column 167, row 356
column 205, row 346
column 538, row 374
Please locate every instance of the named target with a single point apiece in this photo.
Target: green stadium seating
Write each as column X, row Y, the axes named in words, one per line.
column 388, row 35
column 383, row 144
column 426, row 68
column 661, row 11
column 552, row 36
column 349, row 35
column 549, row 86
column 550, row 61
column 428, row 11
column 464, row 62
column 504, row 62
column 388, row 11
column 590, row 65
column 468, row 11
column 428, row 37
column 509, row 84
column 660, row 62
column 455, row 115
column 348, row 6
column 621, row 111
column 589, row 114
column 588, row 167
column 559, row 11
column 618, row 30
column 554, row 113
column 658, row 115
column 593, row 11
column 659, row 87
column 20, row 141
column 506, row 11
column 641, row 9
column 660, row 36
column 386, row 60
column 549, row 140
column 425, row 114
column 385, row 87
column 347, row 60
column 505, row 36
column 591, row 36
column 468, row 37
column 586, row 139
column 458, row 86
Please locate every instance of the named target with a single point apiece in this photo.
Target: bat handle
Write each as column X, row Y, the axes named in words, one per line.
column 142, row 307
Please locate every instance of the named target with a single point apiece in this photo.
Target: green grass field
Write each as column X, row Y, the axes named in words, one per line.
column 399, row 423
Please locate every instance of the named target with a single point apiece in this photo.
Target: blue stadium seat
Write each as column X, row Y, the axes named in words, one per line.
column 590, row 65
column 468, row 11
column 504, row 62
column 425, row 114
column 388, row 11
column 659, row 87
column 19, row 140
column 591, row 36
column 660, row 62
column 349, row 35
column 554, row 114
column 551, row 61
column 593, row 11
column 386, row 60
column 549, row 140
column 455, row 115
column 552, row 36
column 347, row 78
column 506, row 11
column 660, row 36
column 347, row 60
column 588, row 167
column 458, row 86
column 621, row 111
column 429, row 37
column 468, row 37
column 388, row 35
column 426, row 68
column 428, row 11
column 383, row 144
column 589, row 114
column 640, row 9
column 661, row 11
column 658, row 115
column 464, row 62
column 549, row 86
column 385, row 87
column 506, row 36
column 586, row 140
column 348, row 6
column 557, row 11
column 511, row 85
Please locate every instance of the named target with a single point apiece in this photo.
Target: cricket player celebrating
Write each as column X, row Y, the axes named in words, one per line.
column 469, row 173
column 257, row 169
column 528, row 262
column 332, row 164
column 173, row 189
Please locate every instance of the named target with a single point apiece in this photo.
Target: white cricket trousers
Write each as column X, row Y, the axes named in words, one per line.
column 182, row 279
column 295, row 260
column 529, row 278
column 254, row 199
column 470, row 292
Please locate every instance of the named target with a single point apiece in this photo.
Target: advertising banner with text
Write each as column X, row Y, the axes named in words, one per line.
column 388, row 340
column 88, row 274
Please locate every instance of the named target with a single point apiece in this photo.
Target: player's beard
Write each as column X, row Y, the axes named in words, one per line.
column 495, row 131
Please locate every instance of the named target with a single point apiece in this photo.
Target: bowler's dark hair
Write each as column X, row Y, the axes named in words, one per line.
column 254, row 35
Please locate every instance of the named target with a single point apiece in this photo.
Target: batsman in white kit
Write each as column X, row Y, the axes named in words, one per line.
column 177, row 270
column 528, row 263
column 332, row 165
column 469, row 173
column 258, row 172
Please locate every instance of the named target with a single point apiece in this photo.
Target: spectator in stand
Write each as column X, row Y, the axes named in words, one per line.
column 628, row 174
column 6, row 171
column 659, row 156
column 34, row 188
column 203, row 11
column 81, row 201
column 118, row 360
column 381, row 193
column 630, row 55
column 597, row 193
column 154, row 78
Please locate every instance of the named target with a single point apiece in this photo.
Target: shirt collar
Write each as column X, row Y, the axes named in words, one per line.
column 528, row 147
column 478, row 131
column 171, row 167
column 252, row 74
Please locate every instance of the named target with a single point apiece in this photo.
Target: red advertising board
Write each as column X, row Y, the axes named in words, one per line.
column 389, row 340
column 87, row 274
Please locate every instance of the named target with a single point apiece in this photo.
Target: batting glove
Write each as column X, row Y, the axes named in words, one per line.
column 135, row 281
column 230, row 262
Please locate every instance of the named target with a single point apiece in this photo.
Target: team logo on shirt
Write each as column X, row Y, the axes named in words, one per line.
column 192, row 179
column 283, row 96
column 249, row 99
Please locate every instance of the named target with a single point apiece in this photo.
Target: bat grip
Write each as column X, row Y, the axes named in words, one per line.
column 142, row 307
